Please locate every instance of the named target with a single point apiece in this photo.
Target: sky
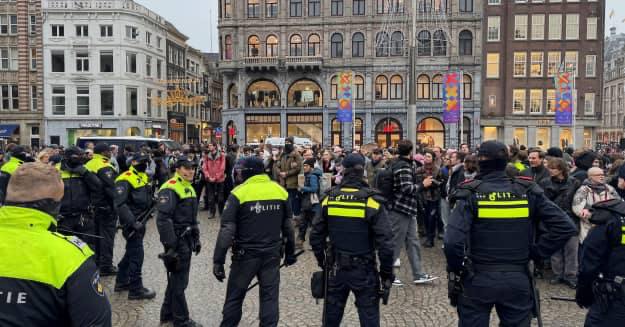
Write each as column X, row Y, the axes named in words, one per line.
column 196, row 19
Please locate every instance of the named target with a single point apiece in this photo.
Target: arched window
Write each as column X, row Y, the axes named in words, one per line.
column 295, row 46
column 437, row 87
column 305, row 93
column 424, row 43
column 336, row 129
column 467, row 87
column 431, row 132
column 262, row 94
column 440, row 44
column 233, row 96
column 314, row 45
column 228, row 43
column 381, row 88
column 381, row 44
column 253, row 46
column 388, row 132
column 336, row 46
column 359, row 86
column 423, row 87
column 397, row 87
column 334, row 87
column 272, row 46
column 465, row 47
column 358, row 131
column 397, row 44
column 358, row 45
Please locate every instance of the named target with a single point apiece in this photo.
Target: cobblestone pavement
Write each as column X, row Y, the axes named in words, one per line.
column 410, row 305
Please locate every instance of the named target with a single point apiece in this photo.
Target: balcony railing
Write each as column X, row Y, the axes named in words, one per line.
column 261, row 61
column 304, row 60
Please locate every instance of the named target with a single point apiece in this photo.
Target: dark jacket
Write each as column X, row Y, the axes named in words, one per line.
column 539, row 173
column 457, row 177
column 291, row 164
column 312, row 184
column 133, row 196
column 177, row 209
column 405, row 187
column 78, row 184
column 101, row 167
column 561, row 193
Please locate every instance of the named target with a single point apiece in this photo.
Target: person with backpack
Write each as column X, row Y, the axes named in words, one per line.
column 309, row 199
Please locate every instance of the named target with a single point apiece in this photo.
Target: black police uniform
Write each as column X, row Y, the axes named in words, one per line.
column 178, row 228
column 604, row 253
column 353, row 216
column 257, row 216
column 495, row 219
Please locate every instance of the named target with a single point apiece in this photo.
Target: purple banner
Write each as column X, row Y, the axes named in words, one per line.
column 564, row 99
column 344, row 113
column 451, row 98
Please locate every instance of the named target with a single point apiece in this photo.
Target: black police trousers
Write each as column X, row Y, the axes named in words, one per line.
column 81, row 224
column 105, row 227
column 266, row 268
column 132, row 262
column 613, row 317
column 509, row 292
column 363, row 281
column 175, row 303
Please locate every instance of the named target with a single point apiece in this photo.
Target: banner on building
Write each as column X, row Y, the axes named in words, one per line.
column 564, row 99
column 344, row 113
column 451, row 98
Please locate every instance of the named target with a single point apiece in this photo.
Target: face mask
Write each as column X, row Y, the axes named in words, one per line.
column 288, row 148
column 141, row 167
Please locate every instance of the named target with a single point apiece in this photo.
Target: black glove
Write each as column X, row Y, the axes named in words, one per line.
column 197, row 246
column 290, row 260
column 386, row 276
column 170, row 259
column 218, row 272
column 584, row 296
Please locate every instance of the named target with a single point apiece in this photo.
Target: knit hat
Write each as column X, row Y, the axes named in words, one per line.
column 310, row 162
column 585, row 159
column 352, row 160
column 26, row 183
column 554, row 152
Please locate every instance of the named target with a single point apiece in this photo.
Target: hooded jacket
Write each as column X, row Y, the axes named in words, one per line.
column 214, row 166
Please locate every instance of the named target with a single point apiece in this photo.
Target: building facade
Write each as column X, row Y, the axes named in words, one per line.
column 105, row 62
column 211, row 125
column 280, row 61
column 176, row 83
column 525, row 44
column 21, row 73
column 613, row 118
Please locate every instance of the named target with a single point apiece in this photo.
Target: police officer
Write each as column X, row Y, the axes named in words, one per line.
column 604, row 254
column 353, row 216
column 258, row 218
column 133, row 201
column 79, row 184
column 46, row 279
column 492, row 225
column 102, row 202
column 178, row 228
column 19, row 155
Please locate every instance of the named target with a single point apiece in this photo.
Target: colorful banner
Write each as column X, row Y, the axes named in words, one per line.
column 344, row 113
column 564, row 99
column 451, row 98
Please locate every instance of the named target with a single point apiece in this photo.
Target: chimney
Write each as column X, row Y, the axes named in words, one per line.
column 613, row 31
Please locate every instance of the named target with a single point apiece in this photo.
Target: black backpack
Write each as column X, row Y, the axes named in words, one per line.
column 384, row 182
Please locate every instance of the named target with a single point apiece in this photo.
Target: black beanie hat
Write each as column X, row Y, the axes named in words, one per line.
column 554, row 152
column 585, row 159
column 311, row 162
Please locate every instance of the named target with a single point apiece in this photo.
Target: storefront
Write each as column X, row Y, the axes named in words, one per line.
column 259, row 127
column 388, row 132
column 153, row 130
column 306, row 126
column 176, row 126
column 89, row 129
column 431, row 132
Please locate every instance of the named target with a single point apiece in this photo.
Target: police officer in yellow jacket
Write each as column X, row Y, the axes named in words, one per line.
column 19, row 155
column 46, row 279
column 353, row 216
column 178, row 228
column 257, row 217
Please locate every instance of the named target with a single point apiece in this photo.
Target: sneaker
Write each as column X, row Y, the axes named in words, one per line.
column 397, row 282
column 397, row 263
column 424, row 278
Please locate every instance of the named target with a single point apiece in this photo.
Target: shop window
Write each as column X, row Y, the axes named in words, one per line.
column 388, row 132
column 259, row 127
column 263, row 94
column 336, row 132
column 431, row 132
column 305, row 93
column 306, row 126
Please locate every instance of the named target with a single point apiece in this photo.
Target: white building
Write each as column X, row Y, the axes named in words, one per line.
column 104, row 63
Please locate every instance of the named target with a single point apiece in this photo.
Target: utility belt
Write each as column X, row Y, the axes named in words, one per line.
column 608, row 290
column 500, row 268
column 347, row 262
column 242, row 253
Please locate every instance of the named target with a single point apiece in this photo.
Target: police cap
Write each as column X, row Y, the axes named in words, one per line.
column 140, row 157
column 101, row 148
column 185, row 162
column 352, row 160
column 493, row 150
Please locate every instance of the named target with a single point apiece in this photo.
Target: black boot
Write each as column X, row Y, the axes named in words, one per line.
column 191, row 323
column 120, row 287
column 108, row 271
column 141, row 294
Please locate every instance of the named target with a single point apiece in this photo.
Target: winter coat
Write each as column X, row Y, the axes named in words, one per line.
column 432, row 193
column 312, row 184
column 562, row 193
column 372, row 169
column 587, row 195
column 214, row 166
column 291, row 164
column 539, row 174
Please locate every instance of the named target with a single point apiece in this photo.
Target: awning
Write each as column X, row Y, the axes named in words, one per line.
column 7, row 130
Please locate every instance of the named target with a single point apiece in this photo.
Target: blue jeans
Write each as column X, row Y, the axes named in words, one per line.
column 294, row 201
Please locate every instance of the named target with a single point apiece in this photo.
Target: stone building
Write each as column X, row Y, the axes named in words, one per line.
column 613, row 124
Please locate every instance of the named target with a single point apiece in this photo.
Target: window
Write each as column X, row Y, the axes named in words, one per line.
column 520, row 27
column 336, row 7
column 397, row 43
column 159, row 112
column 228, row 42
column 536, row 65
column 536, row 101
column 13, row 21
column 553, row 63
column 381, row 88
column 397, row 87
column 271, row 8
column 272, row 46
column 58, row 61
column 314, row 8
column 572, row 26
column 4, row 24
column 314, row 45
column 227, row 8
column 591, row 64
column 106, row 100
column 148, row 66
column 358, row 7
column 358, row 45
column 440, row 44
column 148, row 102
column 159, row 69
column 520, row 63
column 437, row 87
column 423, row 87
column 381, row 44
column 424, row 43
column 158, row 42
column 467, row 87
column 34, row 98
column 336, row 46
column 253, row 46
column 9, row 96
column 589, row 103
column 132, row 32
column 518, row 101
column 148, row 38
column 4, row 58
column 492, row 65
column 494, row 2
column 82, row 100
column 131, row 62
column 334, row 88
column 131, row 101
column 538, row 27
column 33, row 25
column 82, row 62
column 106, row 61
column 466, row 43
column 82, row 30
column 570, row 61
column 591, row 28
column 295, row 46
column 33, row 58
column 106, row 30
column 58, row 100
column 551, row 101
column 555, row 27
column 57, row 30
column 466, row 5
column 295, row 8
column 493, row 28
column 253, row 8
column 359, row 87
